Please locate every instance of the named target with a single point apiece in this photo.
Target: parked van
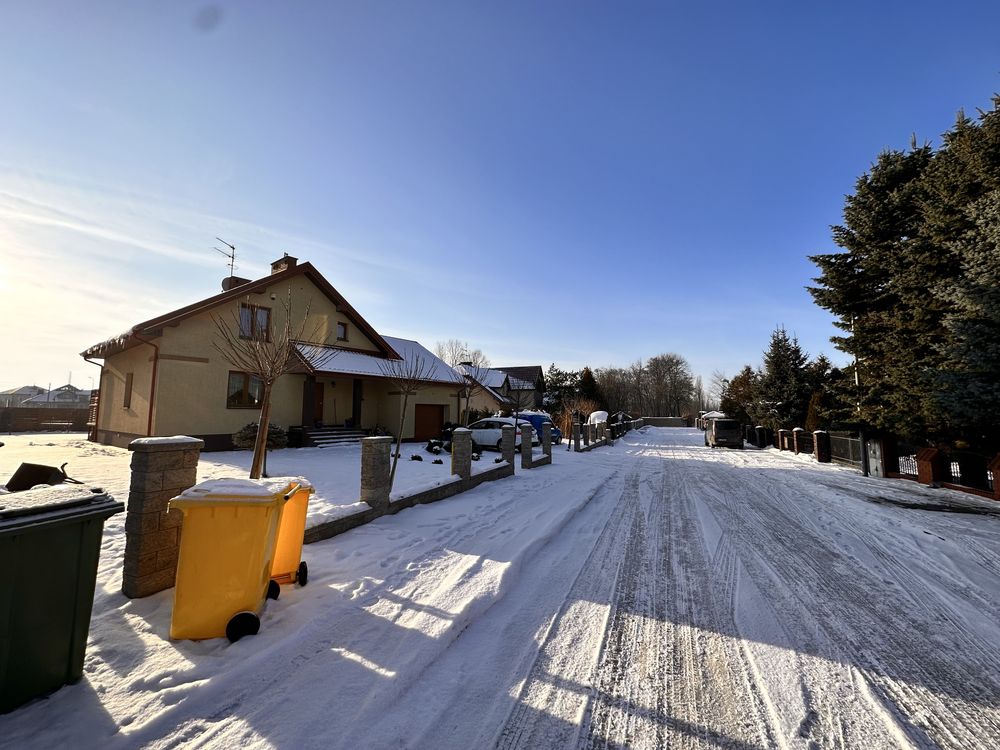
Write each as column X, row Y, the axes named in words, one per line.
column 724, row 433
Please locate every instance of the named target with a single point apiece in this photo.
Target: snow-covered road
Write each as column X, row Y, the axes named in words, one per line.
column 654, row 594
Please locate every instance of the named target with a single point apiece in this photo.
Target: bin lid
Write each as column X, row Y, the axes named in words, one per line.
column 52, row 503
column 247, row 491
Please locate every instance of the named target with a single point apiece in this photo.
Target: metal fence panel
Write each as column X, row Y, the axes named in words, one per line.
column 845, row 448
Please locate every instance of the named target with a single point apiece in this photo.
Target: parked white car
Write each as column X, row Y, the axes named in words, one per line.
column 487, row 433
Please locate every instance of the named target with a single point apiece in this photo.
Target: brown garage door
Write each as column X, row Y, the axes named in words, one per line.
column 428, row 421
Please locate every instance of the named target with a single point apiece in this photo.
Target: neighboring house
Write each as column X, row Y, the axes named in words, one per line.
column 488, row 397
column 527, row 380
column 63, row 397
column 17, row 396
column 165, row 377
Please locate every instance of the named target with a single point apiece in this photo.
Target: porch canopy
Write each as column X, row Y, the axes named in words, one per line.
column 325, row 359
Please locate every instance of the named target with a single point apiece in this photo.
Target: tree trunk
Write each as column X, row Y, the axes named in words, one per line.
column 260, row 446
column 399, row 441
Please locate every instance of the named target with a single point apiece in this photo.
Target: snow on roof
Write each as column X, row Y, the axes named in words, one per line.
column 484, row 375
column 714, row 415
column 319, row 358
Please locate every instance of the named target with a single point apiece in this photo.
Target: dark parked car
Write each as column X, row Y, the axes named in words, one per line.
column 537, row 420
column 724, row 433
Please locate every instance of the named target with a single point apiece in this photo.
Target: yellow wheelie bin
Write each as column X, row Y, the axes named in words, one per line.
column 288, row 566
column 224, row 564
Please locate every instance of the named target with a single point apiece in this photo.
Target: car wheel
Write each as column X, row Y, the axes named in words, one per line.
column 500, row 445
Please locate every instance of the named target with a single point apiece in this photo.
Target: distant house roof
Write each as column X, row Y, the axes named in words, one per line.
column 485, row 376
column 330, row 360
column 516, row 384
column 151, row 327
column 24, row 390
column 530, row 374
column 714, row 415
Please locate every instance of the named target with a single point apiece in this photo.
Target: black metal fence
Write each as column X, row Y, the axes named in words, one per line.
column 970, row 470
column 908, row 465
column 805, row 441
column 846, row 448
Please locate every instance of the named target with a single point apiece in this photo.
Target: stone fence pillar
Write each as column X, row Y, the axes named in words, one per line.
column 994, row 466
column 461, row 453
column 547, row 439
column 526, row 446
column 761, row 433
column 821, row 446
column 507, row 443
column 576, row 437
column 586, row 435
column 162, row 468
column 782, row 439
column 931, row 466
column 375, row 467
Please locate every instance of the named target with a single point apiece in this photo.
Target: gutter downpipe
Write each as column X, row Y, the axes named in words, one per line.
column 100, row 393
column 152, row 384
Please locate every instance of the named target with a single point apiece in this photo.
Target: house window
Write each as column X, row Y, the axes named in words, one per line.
column 341, row 331
column 127, row 402
column 245, row 391
column 255, row 322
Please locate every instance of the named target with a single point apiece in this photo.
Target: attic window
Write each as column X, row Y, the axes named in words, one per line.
column 255, row 322
column 341, row 331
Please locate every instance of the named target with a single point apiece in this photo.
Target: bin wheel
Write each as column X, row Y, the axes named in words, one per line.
column 303, row 576
column 273, row 590
column 241, row 624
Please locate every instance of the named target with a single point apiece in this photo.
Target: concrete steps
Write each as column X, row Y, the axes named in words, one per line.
column 323, row 437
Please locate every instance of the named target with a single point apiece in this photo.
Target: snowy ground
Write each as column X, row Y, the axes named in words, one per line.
column 654, row 594
column 336, row 471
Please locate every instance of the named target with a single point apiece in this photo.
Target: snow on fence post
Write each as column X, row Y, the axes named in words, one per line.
column 162, row 468
column 797, row 434
column 375, row 462
column 526, row 431
column 547, row 438
column 576, row 437
column 507, row 443
column 461, row 453
column 931, row 466
column 821, row 446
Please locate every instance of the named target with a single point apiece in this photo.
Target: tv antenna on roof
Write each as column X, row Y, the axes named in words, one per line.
column 231, row 254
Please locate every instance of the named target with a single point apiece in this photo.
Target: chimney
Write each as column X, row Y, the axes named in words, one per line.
column 231, row 282
column 283, row 264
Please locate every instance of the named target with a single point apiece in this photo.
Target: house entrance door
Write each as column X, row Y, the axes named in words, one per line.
column 318, row 402
column 428, row 421
column 356, row 403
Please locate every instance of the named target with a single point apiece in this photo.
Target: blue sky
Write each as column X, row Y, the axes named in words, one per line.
column 583, row 183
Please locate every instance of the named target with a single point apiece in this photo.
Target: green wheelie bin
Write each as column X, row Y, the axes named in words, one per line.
column 50, row 541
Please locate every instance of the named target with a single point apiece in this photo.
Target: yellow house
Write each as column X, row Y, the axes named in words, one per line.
column 165, row 376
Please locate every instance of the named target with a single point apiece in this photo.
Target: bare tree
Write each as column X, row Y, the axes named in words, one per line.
column 476, row 369
column 519, row 401
column 455, row 352
column 410, row 377
column 255, row 344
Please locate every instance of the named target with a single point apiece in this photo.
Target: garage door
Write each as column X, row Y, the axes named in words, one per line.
column 428, row 421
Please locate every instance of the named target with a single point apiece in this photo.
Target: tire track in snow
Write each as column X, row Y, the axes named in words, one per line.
column 863, row 608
